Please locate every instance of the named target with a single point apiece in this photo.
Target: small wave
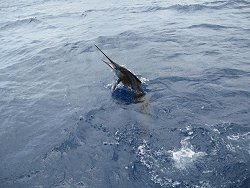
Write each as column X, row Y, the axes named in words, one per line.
column 237, row 2
column 211, row 52
column 211, row 5
column 23, row 177
column 235, row 93
column 214, row 2
column 181, row 7
column 22, row 22
column 125, row 39
column 147, row 9
column 169, row 79
column 215, row 73
column 177, row 7
column 154, row 8
column 87, row 12
column 217, row 5
column 209, row 26
column 192, row 8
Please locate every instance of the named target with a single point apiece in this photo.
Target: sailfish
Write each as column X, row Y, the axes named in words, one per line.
column 128, row 79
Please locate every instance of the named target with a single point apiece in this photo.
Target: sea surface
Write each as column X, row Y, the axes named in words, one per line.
column 62, row 126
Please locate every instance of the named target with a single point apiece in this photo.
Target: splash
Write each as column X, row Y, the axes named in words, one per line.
column 186, row 156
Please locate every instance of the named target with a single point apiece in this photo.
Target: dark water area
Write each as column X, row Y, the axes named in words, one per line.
column 62, row 126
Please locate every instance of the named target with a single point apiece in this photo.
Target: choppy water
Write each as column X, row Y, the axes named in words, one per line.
column 61, row 126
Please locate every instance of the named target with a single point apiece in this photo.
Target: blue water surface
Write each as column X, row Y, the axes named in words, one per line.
column 62, row 126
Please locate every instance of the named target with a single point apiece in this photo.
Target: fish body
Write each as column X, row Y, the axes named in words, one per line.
column 125, row 76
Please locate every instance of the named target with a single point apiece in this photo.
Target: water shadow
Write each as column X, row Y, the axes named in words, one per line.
column 123, row 95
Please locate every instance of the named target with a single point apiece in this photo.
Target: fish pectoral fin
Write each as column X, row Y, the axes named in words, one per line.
column 115, row 84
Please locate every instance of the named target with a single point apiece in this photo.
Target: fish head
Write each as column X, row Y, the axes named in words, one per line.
column 118, row 73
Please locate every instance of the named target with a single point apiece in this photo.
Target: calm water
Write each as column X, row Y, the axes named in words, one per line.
column 61, row 126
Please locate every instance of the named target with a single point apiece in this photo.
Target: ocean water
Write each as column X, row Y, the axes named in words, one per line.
column 62, row 126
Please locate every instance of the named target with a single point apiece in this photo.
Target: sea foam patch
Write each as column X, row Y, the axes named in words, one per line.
column 156, row 161
column 186, row 156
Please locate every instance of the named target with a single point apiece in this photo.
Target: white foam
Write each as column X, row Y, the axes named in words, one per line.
column 158, row 168
column 144, row 80
column 145, row 155
column 108, row 86
column 238, row 136
column 141, row 150
column 186, row 155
